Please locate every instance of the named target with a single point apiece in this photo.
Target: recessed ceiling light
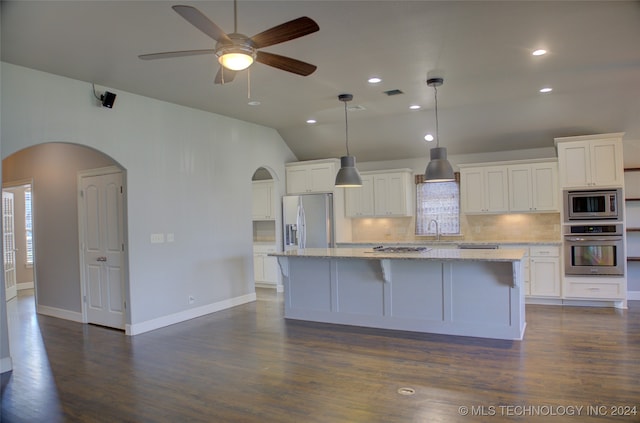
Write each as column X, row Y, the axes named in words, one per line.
column 374, row 80
column 414, row 107
column 254, row 103
column 539, row 52
column 310, row 121
column 546, row 90
column 428, row 137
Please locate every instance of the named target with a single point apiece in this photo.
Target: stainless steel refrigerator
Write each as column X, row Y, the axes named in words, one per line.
column 307, row 221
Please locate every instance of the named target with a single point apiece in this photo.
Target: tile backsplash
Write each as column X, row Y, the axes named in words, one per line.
column 503, row 227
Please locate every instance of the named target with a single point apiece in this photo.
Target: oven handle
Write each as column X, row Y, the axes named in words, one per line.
column 577, row 239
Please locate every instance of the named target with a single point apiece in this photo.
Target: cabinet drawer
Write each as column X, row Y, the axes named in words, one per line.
column 594, row 290
column 544, row 251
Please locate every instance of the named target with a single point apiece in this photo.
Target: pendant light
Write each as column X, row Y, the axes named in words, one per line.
column 439, row 169
column 348, row 176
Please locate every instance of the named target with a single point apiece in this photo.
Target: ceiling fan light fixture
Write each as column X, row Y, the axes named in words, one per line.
column 235, row 57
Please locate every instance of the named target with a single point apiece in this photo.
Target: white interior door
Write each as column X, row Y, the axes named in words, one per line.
column 9, row 245
column 101, row 209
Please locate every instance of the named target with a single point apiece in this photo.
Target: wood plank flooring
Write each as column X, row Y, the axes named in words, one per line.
column 247, row 364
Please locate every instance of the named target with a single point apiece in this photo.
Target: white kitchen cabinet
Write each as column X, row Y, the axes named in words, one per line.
column 392, row 194
column 359, row 201
column 265, row 268
column 387, row 193
column 533, row 187
column 263, row 206
column 311, row 176
column 544, row 267
column 592, row 161
column 484, row 189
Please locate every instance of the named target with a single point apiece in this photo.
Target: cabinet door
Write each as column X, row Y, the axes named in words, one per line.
column 359, row 201
column 271, row 269
column 297, row 180
column 380, row 192
column 258, row 267
column 545, row 276
column 575, row 164
column 520, row 195
column 262, row 207
column 322, row 178
column 397, row 195
column 472, row 190
column 544, row 187
column 496, row 190
column 606, row 163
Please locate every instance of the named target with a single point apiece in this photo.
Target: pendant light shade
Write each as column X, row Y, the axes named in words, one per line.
column 439, row 169
column 348, row 176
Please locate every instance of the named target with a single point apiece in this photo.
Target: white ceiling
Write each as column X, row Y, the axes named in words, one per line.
column 489, row 100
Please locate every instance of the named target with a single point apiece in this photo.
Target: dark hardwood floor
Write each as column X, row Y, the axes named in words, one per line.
column 247, row 364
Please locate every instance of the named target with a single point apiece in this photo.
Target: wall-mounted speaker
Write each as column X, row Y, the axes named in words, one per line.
column 108, row 99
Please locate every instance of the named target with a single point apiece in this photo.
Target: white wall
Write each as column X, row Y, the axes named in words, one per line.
column 188, row 173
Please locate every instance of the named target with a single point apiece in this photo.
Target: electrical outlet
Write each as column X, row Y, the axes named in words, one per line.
column 191, row 299
column 170, row 237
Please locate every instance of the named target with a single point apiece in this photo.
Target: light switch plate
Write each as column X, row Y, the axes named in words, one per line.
column 157, row 238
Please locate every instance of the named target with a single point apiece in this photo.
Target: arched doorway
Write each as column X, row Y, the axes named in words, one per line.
column 54, row 171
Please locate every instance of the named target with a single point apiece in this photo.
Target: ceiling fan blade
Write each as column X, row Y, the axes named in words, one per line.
column 169, row 54
column 285, row 63
column 285, row 32
column 226, row 77
column 200, row 21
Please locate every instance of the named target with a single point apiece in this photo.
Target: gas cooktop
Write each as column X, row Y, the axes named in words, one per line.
column 384, row 249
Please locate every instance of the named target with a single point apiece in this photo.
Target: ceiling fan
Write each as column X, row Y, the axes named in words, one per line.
column 236, row 51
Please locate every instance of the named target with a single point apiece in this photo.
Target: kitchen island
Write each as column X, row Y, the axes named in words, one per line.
column 446, row 291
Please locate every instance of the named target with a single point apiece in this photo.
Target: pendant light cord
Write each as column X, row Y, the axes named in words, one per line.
column 346, row 125
column 435, row 89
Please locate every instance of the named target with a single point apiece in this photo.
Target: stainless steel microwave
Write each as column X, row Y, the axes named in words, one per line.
column 593, row 204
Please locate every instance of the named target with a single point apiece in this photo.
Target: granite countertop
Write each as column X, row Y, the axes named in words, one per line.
column 433, row 242
column 434, row 254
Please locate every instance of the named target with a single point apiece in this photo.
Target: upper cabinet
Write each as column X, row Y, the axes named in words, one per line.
column 484, row 189
column 263, row 207
column 591, row 161
column 383, row 194
column 509, row 187
column 312, row 176
column 533, row 187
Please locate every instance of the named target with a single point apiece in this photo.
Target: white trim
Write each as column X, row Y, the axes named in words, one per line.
column 74, row 316
column 24, row 285
column 6, row 365
column 633, row 295
column 192, row 313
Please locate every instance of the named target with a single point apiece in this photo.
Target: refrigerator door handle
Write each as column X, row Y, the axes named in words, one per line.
column 302, row 227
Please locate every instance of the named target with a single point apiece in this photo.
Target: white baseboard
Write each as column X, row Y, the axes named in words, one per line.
column 633, row 295
column 172, row 319
column 24, row 285
column 6, row 365
column 60, row 313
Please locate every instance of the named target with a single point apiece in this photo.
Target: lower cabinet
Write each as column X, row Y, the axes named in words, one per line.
column 265, row 268
column 544, row 263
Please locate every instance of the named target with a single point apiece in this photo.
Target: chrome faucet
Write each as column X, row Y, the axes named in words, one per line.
column 437, row 229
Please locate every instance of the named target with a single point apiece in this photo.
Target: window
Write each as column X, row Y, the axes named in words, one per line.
column 28, row 224
column 440, row 202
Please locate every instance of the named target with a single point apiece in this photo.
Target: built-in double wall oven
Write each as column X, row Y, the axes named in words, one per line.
column 593, row 232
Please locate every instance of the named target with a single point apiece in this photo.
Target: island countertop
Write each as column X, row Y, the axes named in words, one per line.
column 433, row 254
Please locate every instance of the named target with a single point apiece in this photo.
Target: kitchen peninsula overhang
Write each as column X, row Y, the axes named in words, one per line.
column 446, row 291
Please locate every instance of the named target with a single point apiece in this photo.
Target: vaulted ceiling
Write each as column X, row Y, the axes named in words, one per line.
column 490, row 100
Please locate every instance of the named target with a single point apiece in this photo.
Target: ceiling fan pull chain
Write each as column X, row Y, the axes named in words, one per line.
column 249, row 83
